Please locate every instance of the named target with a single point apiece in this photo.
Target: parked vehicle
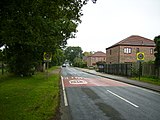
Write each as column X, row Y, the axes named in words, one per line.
column 64, row 65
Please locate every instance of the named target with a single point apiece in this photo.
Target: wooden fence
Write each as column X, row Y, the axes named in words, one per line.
column 150, row 70
column 118, row 69
column 131, row 69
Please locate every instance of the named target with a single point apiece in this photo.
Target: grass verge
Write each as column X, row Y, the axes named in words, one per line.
column 150, row 80
column 29, row 98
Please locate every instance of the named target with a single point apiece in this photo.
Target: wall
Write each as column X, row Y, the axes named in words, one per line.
column 127, row 58
column 91, row 60
column 112, row 55
column 117, row 55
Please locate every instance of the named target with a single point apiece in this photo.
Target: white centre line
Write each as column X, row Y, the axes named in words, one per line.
column 64, row 93
column 123, row 99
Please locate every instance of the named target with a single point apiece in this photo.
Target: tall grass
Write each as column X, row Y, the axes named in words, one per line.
column 29, row 98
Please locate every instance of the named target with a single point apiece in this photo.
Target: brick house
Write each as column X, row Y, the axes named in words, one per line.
column 125, row 51
column 96, row 57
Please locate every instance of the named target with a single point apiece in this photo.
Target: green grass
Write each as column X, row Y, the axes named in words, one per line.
column 53, row 68
column 29, row 98
column 151, row 80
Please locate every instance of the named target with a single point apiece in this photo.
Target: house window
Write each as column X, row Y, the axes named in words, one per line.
column 137, row 50
column 128, row 50
column 110, row 52
column 151, row 51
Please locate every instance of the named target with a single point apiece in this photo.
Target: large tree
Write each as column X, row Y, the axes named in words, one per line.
column 39, row 22
column 30, row 27
column 73, row 52
column 58, row 57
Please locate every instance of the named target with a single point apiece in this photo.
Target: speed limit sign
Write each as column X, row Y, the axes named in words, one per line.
column 47, row 57
column 140, row 56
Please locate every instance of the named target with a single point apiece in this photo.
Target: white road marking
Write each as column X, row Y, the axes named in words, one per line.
column 123, row 99
column 77, row 82
column 64, row 93
column 78, row 78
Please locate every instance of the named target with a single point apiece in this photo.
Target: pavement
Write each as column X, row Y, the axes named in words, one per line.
column 124, row 79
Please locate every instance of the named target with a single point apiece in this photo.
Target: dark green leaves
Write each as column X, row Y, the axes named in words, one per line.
column 157, row 50
column 73, row 52
column 30, row 27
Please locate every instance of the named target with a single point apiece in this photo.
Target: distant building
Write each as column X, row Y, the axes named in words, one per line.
column 125, row 51
column 96, row 57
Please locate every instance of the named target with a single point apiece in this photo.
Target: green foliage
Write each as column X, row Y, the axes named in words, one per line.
column 157, row 50
column 86, row 54
column 46, row 22
column 73, row 52
column 1, row 55
column 29, row 28
column 150, row 62
column 58, row 57
column 21, row 59
column 78, row 62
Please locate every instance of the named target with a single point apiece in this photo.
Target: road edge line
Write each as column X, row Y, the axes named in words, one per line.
column 64, row 93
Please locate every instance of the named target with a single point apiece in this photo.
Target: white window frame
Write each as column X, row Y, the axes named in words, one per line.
column 151, row 51
column 127, row 50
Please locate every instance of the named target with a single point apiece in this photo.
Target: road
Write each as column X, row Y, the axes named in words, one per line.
column 90, row 97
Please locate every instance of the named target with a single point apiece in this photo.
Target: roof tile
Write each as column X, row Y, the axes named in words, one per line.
column 135, row 40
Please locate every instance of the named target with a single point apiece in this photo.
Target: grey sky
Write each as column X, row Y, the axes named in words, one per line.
column 109, row 21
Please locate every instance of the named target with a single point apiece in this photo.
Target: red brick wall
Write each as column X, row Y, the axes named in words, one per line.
column 124, row 57
column 132, row 57
column 88, row 61
column 112, row 55
column 117, row 54
column 91, row 61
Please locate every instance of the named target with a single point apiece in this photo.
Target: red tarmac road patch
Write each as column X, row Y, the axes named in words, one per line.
column 80, row 81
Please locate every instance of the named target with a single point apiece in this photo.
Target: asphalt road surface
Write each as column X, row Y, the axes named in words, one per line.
column 90, row 97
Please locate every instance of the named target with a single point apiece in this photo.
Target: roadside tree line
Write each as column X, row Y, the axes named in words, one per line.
column 31, row 27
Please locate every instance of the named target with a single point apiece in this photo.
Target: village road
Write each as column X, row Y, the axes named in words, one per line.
column 91, row 97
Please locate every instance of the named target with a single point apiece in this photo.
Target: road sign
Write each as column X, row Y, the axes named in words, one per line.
column 140, row 56
column 47, row 57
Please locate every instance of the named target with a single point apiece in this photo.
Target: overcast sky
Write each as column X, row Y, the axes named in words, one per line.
column 110, row 21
